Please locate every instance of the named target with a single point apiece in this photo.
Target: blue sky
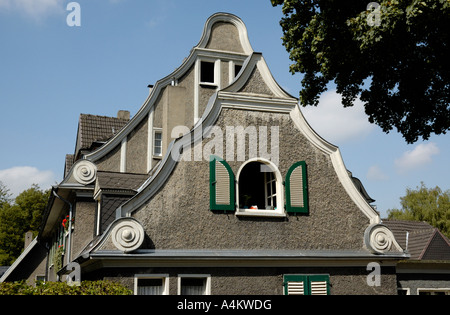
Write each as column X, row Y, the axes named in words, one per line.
column 50, row 73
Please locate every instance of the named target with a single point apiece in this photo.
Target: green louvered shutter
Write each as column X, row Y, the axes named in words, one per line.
column 221, row 185
column 295, row 285
column 306, row 285
column 319, row 285
column 297, row 189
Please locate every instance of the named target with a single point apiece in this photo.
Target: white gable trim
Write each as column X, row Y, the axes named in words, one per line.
column 197, row 52
column 258, row 61
column 229, row 18
column 338, row 164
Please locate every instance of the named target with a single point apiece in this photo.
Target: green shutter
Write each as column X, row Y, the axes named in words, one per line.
column 295, row 285
column 221, row 185
column 306, row 284
column 319, row 285
column 297, row 189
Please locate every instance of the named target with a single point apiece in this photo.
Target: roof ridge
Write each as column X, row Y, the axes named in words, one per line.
column 103, row 116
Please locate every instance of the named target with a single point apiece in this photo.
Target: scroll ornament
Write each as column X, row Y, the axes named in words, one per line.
column 379, row 239
column 128, row 235
column 85, row 172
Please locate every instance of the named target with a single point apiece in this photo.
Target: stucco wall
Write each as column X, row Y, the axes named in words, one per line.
column 83, row 232
column 265, row 281
column 225, row 36
column 178, row 216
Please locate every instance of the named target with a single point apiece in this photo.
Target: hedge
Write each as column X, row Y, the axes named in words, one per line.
column 62, row 288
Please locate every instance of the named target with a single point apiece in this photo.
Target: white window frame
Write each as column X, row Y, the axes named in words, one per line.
column 207, row 277
column 445, row 290
column 157, row 131
column 163, row 277
column 279, row 212
column 216, row 73
column 407, row 290
column 269, row 194
column 232, row 70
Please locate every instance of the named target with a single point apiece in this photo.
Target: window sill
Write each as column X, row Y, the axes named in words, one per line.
column 208, row 85
column 261, row 213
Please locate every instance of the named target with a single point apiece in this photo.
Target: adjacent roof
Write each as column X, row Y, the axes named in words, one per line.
column 3, row 269
column 92, row 128
column 424, row 242
column 120, row 181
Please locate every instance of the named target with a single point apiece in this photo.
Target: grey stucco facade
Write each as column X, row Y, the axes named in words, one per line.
column 153, row 222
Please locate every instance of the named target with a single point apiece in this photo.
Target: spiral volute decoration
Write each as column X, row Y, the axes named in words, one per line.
column 85, row 172
column 127, row 235
column 379, row 239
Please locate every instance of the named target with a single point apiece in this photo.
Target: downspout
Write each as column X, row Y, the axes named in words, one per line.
column 70, row 226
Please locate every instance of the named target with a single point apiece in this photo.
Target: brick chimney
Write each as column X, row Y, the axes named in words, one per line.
column 123, row 114
column 28, row 238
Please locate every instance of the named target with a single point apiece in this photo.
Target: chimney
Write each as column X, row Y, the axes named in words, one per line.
column 123, row 114
column 28, row 238
column 150, row 88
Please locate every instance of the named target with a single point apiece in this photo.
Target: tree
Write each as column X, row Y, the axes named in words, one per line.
column 4, row 195
column 17, row 219
column 394, row 58
column 431, row 205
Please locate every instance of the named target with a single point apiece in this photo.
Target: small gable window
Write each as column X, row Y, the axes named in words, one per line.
column 237, row 69
column 207, row 72
column 257, row 187
column 157, row 143
column 260, row 189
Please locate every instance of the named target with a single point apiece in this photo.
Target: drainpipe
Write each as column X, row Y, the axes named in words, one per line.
column 70, row 225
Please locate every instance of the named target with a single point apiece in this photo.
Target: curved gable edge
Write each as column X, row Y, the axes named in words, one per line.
column 178, row 73
column 257, row 61
column 229, row 18
column 338, row 164
column 151, row 186
column 215, row 105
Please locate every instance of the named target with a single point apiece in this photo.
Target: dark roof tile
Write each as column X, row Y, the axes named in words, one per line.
column 425, row 242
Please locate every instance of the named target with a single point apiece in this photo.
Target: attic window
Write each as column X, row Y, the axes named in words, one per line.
column 207, row 72
column 237, row 69
column 257, row 187
column 157, row 143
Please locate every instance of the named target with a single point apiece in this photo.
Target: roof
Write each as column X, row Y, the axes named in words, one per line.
column 120, row 181
column 93, row 128
column 27, row 262
column 3, row 269
column 424, row 242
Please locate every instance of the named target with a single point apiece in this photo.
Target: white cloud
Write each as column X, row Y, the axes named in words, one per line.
column 18, row 179
column 376, row 174
column 420, row 156
column 35, row 9
column 335, row 123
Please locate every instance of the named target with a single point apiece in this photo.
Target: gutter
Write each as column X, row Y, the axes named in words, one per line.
column 70, row 224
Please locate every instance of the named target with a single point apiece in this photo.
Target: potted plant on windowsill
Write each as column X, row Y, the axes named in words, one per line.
column 66, row 223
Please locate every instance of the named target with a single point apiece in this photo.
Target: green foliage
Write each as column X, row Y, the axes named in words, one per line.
column 431, row 205
column 4, row 195
column 62, row 288
column 398, row 67
column 24, row 215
